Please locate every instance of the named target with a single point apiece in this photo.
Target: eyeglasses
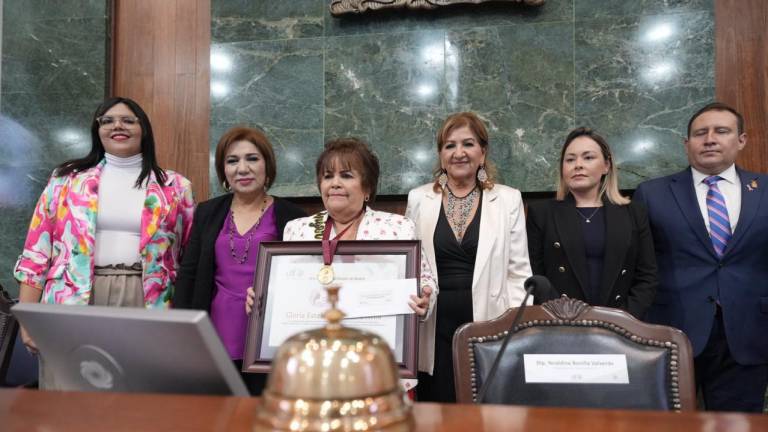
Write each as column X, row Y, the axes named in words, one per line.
column 109, row 121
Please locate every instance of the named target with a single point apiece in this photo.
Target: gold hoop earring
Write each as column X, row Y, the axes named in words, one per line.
column 226, row 186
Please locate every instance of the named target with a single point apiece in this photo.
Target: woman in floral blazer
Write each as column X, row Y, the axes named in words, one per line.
column 88, row 203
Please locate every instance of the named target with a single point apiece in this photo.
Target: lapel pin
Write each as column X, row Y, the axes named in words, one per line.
column 752, row 185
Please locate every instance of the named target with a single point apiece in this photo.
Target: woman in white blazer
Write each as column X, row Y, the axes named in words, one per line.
column 473, row 235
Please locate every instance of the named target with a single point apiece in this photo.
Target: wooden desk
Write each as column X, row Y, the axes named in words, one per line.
column 29, row 410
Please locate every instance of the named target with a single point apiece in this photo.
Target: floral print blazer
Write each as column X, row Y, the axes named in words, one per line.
column 58, row 253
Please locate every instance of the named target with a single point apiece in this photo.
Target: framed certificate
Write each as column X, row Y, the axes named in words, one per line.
column 376, row 278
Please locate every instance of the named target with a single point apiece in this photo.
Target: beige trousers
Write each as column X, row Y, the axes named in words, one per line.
column 118, row 285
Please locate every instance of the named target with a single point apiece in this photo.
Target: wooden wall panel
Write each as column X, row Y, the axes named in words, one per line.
column 741, row 71
column 161, row 59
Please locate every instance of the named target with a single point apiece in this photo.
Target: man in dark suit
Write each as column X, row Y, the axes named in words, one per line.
column 710, row 229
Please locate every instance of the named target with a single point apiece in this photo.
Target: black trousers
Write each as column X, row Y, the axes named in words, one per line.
column 725, row 384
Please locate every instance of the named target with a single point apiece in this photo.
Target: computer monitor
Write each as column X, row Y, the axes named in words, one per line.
column 97, row 348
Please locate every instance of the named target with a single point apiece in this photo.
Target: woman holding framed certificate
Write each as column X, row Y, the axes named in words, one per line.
column 219, row 263
column 347, row 176
column 473, row 232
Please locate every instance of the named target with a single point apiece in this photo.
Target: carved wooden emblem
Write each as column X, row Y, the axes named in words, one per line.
column 340, row 7
column 565, row 308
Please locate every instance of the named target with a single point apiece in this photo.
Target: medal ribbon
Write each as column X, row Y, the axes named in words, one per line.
column 329, row 245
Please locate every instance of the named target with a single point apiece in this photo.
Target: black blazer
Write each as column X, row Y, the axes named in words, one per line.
column 194, row 283
column 556, row 248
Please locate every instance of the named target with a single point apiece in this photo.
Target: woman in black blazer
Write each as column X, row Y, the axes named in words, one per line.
column 590, row 241
column 220, row 259
column 194, row 286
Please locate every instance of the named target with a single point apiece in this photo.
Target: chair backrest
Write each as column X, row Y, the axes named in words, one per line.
column 9, row 329
column 659, row 359
column 22, row 368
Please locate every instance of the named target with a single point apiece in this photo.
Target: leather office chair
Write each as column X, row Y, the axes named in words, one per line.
column 9, row 329
column 18, row 368
column 659, row 358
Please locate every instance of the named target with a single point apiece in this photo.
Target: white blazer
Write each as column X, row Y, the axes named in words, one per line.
column 501, row 265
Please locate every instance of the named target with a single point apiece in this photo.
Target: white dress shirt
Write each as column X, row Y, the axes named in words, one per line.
column 730, row 188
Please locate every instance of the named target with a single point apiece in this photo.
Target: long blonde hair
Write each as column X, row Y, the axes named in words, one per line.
column 609, row 184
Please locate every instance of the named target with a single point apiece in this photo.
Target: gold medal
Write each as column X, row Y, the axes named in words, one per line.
column 325, row 275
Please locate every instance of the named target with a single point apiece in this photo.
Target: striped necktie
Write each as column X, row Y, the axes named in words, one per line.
column 719, row 224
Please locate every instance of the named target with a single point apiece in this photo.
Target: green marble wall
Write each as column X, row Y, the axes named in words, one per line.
column 53, row 76
column 633, row 70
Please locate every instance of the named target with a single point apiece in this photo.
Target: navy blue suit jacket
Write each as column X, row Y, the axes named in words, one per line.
column 692, row 277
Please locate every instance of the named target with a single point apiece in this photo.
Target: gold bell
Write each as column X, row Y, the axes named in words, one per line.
column 334, row 379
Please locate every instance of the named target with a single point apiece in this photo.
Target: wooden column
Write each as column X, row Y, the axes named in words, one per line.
column 741, row 71
column 161, row 59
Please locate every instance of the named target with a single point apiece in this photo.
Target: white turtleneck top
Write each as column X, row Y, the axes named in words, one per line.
column 118, row 221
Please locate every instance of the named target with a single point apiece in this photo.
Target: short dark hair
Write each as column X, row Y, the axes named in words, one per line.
column 149, row 159
column 254, row 136
column 718, row 106
column 351, row 153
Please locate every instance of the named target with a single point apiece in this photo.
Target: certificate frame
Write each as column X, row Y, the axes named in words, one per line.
column 258, row 353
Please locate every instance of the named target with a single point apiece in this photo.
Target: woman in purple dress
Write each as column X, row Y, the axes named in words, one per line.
column 220, row 259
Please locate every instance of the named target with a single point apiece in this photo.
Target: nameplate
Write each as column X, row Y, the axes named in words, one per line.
column 576, row 368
